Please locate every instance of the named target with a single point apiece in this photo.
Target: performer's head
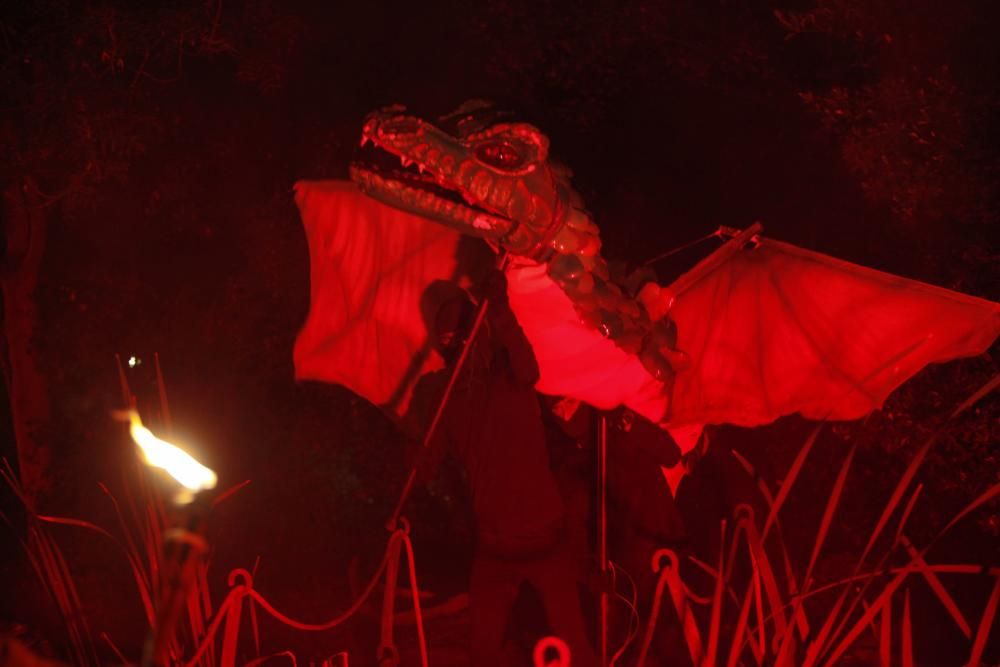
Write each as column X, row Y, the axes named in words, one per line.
column 449, row 314
column 452, row 325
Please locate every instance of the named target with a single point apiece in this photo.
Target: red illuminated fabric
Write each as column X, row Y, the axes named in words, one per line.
column 777, row 330
column 771, row 331
column 369, row 264
column 573, row 358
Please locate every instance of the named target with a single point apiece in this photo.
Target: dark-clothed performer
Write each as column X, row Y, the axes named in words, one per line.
column 492, row 424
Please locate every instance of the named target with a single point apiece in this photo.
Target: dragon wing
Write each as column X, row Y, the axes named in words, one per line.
column 369, row 267
column 775, row 329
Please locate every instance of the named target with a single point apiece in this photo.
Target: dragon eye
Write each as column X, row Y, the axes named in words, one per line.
column 500, row 155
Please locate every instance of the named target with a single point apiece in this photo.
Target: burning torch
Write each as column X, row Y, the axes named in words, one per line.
column 184, row 544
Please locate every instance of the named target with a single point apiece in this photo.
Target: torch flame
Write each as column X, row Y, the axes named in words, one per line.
column 192, row 475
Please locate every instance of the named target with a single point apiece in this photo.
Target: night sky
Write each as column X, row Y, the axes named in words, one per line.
column 150, row 154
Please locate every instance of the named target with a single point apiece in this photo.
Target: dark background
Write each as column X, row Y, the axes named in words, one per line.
column 151, row 150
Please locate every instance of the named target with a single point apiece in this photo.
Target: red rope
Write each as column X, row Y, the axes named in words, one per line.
column 319, row 627
column 561, row 648
column 399, row 539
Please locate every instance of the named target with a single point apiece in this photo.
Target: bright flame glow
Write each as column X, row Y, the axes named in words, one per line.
column 132, row 362
column 192, row 475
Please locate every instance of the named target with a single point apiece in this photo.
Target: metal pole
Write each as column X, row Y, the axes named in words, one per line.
column 602, row 520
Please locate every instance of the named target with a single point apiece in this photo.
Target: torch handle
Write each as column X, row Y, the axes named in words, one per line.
column 183, row 549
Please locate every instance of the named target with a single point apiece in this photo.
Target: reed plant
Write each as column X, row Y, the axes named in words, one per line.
column 775, row 614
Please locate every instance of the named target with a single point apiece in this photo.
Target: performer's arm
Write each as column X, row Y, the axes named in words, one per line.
column 507, row 331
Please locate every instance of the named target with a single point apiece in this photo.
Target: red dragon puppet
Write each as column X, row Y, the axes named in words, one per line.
column 757, row 330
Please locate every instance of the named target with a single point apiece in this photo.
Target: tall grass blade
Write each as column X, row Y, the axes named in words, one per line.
column 50, row 566
column 128, row 400
column 885, row 635
column 762, row 564
column 897, row 495
column 230, row 634
column 790, row 578
column 59, row 586
column 196, row 622
column 828, row 512
column 742, row 633
column 976, row 397
column 225, row 495
column 985, row 624
column 254, row 626
column 161, row 387
column 131, row 549
column 716, row 618
column 114, row 648
column 984, row 498
column 935, row 584
column 202, row 590
column 789, row 481
column 906, row 513
column 820, row 641
column 758, row 600
column 136, row 567
column 688, row 624
column 866, row 618
column 739, row 536
column 787, row 648
column 906, row 651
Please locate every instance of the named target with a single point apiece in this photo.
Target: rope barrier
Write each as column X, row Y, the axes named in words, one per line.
column 561, row 649
column 231, row 607
column 669, row 575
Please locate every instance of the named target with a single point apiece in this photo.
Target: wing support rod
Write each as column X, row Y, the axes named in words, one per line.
column 712, row 262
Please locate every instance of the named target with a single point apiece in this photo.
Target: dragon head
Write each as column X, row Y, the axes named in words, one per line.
column 485, row 178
